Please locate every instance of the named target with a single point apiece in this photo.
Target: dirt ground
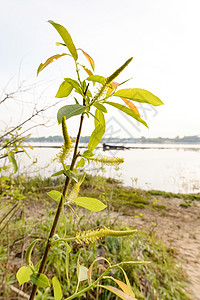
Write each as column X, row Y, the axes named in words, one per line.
column 179, row 228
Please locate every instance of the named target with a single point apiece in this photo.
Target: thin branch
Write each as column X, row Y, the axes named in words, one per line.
column 60, row 205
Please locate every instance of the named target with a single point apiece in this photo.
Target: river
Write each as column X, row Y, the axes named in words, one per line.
column 172, row 168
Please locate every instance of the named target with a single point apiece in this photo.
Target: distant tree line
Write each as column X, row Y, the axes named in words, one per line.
column 195, row 139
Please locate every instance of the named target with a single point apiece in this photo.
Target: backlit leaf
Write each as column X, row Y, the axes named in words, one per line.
column 75, row 85
column 127, row 111
column 111, row 88
column 57, row 173
column 89, row 58
column 40, row 280
column 49, row 61
column 99, row 118
column 57, row 289
column 118, row 292
column 82, row 275
column 131, row 105
column 23, row 274
column 66, row 38
column 80, row 163
column 64, row 90
column 100, row 107
column 87, row 70
column 11, row 157
column 87, row 154
column 55, row 195
column 139, row 95
column 96, row 137
column 123, row 286
column 29, row 251
column 89, row 273
column 70, row 111
column 92, row 204
column 96, row 78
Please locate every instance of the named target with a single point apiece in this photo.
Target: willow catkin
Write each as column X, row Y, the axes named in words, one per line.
column 93, row 235
column 108, row 160
column 110, row 79
column 66, row 148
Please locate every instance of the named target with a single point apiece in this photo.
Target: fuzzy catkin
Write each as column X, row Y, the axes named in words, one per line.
column 65, row 150
column 110, row 79
column 93, row 235
column 106, row 160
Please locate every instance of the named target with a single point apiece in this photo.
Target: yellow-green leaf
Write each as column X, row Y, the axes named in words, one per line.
column 127, row 111
column 23, row 274
column 64, row 90
column 55, row 195
column 96, row 137
column 66, row 38
column 89, row 58
column 96, row 78
column 29, row 251
column 89, row 72
column 100, row 107
column 139, row 95
column 57, row 289
column 123, row 286
column 11, row 157
column 118, row 292
column 49, row 61
column 89, row 273
column 40, row 280
column 82, row 274
column 92, row 204
column 99, row 118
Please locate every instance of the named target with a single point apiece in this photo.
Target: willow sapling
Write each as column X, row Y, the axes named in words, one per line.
column 99, row 101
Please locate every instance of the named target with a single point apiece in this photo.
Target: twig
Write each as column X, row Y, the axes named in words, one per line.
column 60, row 205
column 20, row 293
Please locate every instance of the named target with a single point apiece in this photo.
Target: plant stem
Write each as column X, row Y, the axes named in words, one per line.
column 60, row 205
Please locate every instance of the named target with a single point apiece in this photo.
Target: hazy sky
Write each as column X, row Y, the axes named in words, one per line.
column 161, row 35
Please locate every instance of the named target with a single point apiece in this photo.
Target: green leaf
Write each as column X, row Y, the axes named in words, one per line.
column 64, row 90
column 57, row 289
column 82, row 274
column 96, row 78
column 49, row 61
column 92, row 204
column 128, row 111
column 68, row 250
column 117, row 292
column 80, row 163
column 139, row 95
column 23, row 274
column 55, row 195
column 96, row 137
column 66, row 38
column 57, row 173
column 87, row 154
column 75, row 85
column 100, row 107
column 11, row 157
column 70, row 111
column 99, row 118
column 40, row 280
column 29, row 251
column 71, row 174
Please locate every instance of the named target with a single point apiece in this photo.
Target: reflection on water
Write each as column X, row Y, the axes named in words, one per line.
column 173, row 168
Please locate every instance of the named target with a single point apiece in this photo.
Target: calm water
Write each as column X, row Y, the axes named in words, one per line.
column 174, row 168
